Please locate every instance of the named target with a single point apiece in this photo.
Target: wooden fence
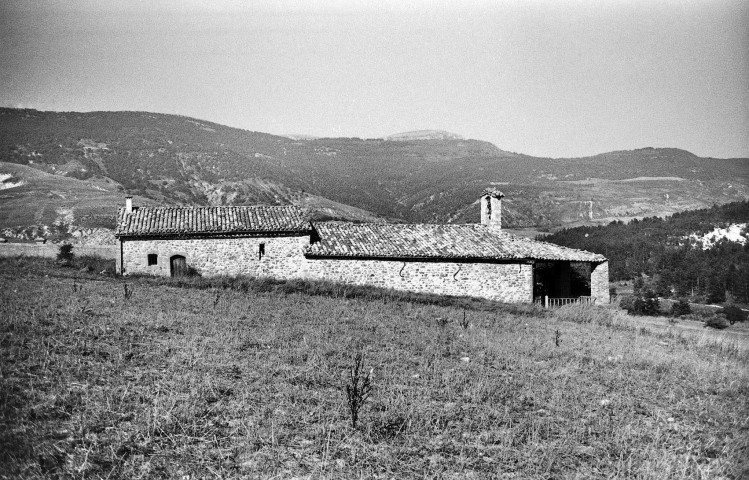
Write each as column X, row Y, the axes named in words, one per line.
column 549, row 302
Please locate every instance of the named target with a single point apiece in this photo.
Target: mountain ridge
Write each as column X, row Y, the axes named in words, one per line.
column 181, row 160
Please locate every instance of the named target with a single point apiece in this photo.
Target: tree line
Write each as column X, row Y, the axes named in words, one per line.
column 665, row 250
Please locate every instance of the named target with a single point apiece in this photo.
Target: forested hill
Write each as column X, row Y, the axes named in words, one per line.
column 687, row 253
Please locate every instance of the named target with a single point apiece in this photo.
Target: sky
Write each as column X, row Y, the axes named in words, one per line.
column 540, row 77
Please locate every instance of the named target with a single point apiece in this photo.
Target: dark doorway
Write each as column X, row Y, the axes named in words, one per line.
column 178, row 265
column 561, row 279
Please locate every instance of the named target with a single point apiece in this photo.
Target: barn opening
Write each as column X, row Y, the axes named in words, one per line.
column 153, row 259
column 561, row 282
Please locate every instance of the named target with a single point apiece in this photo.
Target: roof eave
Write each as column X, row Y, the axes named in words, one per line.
column 248, row 234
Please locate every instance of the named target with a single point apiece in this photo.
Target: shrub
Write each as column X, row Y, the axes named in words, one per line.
column 65, row 254
column 645, row 303
column 733, row 314
column 650, row 303
column 718, row 322
column 358, row 387
column 627, row 302
column 680, row 308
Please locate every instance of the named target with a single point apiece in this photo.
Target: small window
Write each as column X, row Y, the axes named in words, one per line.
column 260, row 251
column 153, row 259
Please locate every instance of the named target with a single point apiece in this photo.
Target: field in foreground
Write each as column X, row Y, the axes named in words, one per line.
column 190, row 383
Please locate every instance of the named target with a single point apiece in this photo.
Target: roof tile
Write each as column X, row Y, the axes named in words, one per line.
column 433, row 241
column 225, row 220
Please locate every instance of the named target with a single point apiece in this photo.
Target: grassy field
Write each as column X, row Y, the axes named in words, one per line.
column 141, row 378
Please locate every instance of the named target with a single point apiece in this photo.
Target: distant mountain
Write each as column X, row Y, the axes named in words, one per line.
column 299, row 136
column 179, row 160
column 423, row 135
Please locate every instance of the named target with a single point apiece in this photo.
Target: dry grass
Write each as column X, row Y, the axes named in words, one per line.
column 207, row 382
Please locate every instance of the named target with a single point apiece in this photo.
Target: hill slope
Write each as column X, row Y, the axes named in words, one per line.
column 177, row 159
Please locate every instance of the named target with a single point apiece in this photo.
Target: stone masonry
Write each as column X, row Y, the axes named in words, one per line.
column 284, row 259
column 599, row 283
column 283, row 256
column 504, row 282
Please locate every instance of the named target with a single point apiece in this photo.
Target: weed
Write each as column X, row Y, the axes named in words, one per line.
column 129, row 290
column 557, row 338
column 464, row 323
column 216, row 300
column 358, row 388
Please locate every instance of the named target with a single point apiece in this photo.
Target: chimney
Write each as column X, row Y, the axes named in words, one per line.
column 129, row 204
column 491, row 207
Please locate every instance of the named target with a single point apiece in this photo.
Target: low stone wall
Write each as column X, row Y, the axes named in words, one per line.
column 51, row 250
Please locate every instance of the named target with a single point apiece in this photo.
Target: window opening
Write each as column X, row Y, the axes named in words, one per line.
column 153, row 259
column 260, row 251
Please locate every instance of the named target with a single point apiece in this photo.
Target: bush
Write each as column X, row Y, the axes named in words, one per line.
column 65, row 254
column 650, row 303
column 644, row 304
column 718, row 322
column 680, row 308
column 628, row 303
column 733, row 314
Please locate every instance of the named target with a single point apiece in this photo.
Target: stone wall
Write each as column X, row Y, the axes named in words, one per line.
column 508, row 282
column 599, row 283
column 283, row 257
column 50, row 250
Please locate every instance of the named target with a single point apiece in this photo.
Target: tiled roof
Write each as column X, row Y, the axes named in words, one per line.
column 427, row 241
column 181, row 221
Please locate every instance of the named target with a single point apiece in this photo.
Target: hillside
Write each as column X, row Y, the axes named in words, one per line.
column 176, row 379
column 175, row 159
column 682, row 253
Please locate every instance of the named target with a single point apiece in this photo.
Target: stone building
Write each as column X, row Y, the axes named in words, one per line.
column 479, row 260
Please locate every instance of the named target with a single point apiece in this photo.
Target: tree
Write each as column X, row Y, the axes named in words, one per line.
column 650, row 303
column 680, row 308
column 65, row 254
column 716, row 289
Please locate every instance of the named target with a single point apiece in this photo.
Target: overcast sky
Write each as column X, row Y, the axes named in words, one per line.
column 547, row 78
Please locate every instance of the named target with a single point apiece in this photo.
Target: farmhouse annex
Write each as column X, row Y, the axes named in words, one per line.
column 479, row 260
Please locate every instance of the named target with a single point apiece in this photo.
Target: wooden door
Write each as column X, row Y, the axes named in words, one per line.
column 178, row 266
